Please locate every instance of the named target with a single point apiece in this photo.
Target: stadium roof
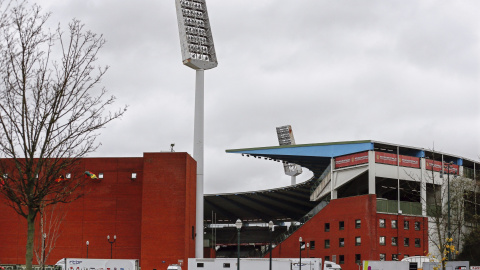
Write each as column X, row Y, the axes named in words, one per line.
column 293, row 202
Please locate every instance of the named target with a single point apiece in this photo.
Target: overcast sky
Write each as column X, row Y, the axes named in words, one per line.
column 404, row 72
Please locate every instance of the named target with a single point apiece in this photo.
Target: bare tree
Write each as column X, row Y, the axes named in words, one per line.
column 50, row 230
column 442, row 189
column 51, row 110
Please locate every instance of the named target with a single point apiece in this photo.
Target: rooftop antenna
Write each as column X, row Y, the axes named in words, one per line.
column 198, row 53
column 171, row 147
column 285, row 137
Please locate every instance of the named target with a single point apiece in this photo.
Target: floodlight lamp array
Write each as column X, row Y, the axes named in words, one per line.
column 196, row 39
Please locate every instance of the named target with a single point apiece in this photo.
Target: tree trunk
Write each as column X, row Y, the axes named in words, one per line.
column 30, row 235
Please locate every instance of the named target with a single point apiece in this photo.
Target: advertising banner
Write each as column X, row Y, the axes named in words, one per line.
column 351, row 160
column 408, row 161
column 385, row 158
column 437, row 166
column 389, row 158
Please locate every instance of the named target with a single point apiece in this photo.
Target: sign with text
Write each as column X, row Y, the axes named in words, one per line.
column 351, row 160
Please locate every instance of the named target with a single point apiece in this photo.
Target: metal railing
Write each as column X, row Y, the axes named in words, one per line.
column 34, row 267
column 390, row 206
column 320, row 179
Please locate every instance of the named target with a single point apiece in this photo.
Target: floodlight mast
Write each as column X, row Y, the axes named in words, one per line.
column 198, row 52
column 285, row 137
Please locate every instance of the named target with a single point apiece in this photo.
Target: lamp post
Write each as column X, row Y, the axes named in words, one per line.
column 270, row 229
column 111, row 244
column 44, row 237
column 300, row 261
column 88, row 243
column 448, row 192
column 238, row 224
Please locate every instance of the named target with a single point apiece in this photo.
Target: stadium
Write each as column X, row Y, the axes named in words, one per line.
column 366, row 200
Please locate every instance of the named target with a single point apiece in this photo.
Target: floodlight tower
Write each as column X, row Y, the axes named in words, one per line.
column 285, row 137
column 198, row 52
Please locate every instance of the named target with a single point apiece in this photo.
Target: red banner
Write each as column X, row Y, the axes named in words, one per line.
column 385, row 158
column 437, row 166
column 405, row 161
column 351, row 160
column 408, row 161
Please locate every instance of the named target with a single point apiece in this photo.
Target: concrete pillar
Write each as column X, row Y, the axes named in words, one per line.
column 423, row 186
column 333, row 177
column 371, row 172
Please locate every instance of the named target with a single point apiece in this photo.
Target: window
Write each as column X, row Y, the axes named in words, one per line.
column 382, row 240
column 381, row 223
column 406, row 242
column 417, row 225
column 327, row 227
column 199, row 265
column 394, row 224
column 134, row 175
column 358, row 258
column 406, row 224
column 417, row 242
column 394, row 257
column 358, row 224
column 382, row 256
column 334, row 258
column 312, row 244
column 327, row 258
column 341, row 259
column 341, row 225
column 226, row 265
column 358, row 241
column 100, row 175
column 341, row 242
column 394, row 241
column 327, row 243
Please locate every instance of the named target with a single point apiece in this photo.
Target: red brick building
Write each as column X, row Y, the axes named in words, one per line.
column 350, row 230
column 147, row 202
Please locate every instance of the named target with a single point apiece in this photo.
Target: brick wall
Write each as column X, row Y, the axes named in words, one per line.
column 347, row 211
column 151, row 215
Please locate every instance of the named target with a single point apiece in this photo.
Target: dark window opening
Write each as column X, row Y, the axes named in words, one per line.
column 358, row 224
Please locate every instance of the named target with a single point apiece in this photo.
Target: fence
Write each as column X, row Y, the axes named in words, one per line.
column 34, row 267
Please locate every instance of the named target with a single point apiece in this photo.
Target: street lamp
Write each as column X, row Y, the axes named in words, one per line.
column 44, row 237
column 448, row 191
column 238, row 224
column 88, row 243
column 111, row 244
column 270, row 229
column 300, row 261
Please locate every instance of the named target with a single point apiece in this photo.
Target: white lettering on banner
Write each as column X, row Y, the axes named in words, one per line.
column 409, row 161
column 388, row 158
column 361, row 158
column 474, row 267
column 342, row 161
